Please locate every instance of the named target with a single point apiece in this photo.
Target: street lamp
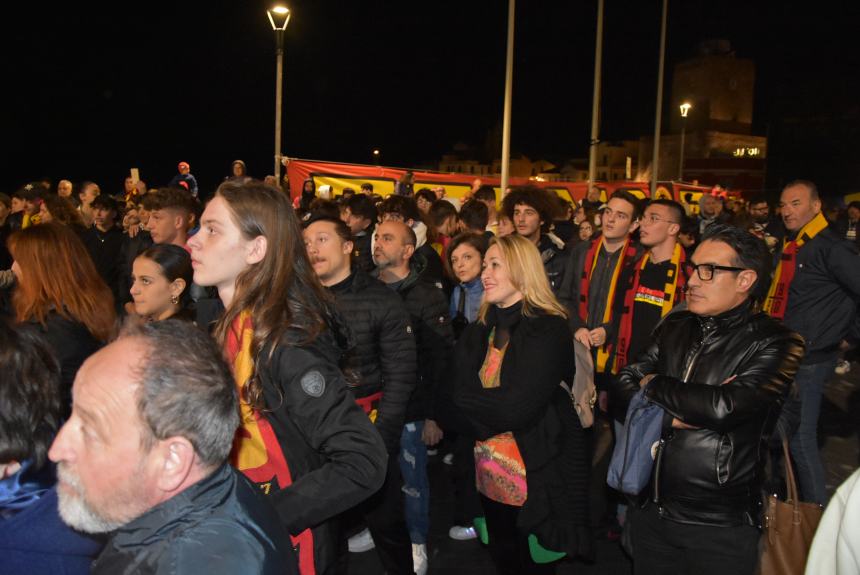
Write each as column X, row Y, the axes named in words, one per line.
column 685, row 109
column 279, row 17
column 376, row 156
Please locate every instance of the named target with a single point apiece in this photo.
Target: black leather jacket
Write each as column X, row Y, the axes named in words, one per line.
column 727, row 376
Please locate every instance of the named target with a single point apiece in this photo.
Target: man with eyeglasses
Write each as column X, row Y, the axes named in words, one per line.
column 721, row 371
column 654, row 285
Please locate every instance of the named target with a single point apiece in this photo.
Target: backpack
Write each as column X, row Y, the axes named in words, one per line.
column 637, row 446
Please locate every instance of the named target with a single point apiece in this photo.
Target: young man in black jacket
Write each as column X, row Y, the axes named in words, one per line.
column 531, row 210
column 380, row 371
column 400, row 267
column 815, row 290
column 720, row 371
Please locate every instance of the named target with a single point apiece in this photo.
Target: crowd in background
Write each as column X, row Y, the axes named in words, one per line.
column 364, row 334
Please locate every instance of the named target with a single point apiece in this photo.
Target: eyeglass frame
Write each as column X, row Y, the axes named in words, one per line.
column 714, row 268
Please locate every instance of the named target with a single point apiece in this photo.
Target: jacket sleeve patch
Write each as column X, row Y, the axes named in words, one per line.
column 313, row 383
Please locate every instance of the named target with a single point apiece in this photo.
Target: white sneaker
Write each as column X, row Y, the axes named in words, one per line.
column 462, row 533
column 843, row 367
column 448, row 459
column 419, row 558
column 362, row 542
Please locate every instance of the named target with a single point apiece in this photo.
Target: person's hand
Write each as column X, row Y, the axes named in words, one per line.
column 432, row 433
column 678, row 424
column 645, row 380
column 583, row 336
column 133, row 230
column 603, row 401
column 598, row 336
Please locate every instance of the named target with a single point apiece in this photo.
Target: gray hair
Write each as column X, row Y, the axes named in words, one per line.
column 185, row 388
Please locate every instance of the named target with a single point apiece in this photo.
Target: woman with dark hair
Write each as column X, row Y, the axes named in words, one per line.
column 530, row 458
column 303, row 439
column 33, row 538
column 465, row 258
column 161, row 277
column 63, row 211
column 61, row 294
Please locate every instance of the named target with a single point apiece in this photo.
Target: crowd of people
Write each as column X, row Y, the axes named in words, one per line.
column 256, row 384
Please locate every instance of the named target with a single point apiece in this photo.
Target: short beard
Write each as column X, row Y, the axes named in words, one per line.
column 76, row 512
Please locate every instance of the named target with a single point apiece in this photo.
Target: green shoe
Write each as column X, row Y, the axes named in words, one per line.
column 480, row 524
column 541, row 554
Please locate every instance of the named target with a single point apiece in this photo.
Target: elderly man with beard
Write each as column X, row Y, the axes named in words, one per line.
column 144, row 455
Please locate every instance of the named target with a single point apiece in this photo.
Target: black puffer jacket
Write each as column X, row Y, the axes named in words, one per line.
column 728, row 376
column 383, row 358
column 823, row 295
column 218, row 526
column 434, row 338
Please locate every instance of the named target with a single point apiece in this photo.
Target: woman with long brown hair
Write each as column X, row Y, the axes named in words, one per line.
column 303, row 439
column 61, row 294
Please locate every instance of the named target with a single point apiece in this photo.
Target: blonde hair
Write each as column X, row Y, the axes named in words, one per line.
column 527, row 274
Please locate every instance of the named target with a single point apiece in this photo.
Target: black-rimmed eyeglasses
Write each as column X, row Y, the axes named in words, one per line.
column 706, row 271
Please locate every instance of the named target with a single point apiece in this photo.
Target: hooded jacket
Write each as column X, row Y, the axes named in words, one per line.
column 428, row 311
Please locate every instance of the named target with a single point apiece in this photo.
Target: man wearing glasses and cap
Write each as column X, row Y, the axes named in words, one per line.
column 720, row 370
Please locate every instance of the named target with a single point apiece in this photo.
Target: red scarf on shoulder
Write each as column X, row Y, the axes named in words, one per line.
column 777, row 295
column 673, row 293
column 628, row 253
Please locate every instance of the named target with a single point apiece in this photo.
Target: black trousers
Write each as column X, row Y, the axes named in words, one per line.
column 467, row 504
column 385, row 517
column 665, row 547
column 508, row 547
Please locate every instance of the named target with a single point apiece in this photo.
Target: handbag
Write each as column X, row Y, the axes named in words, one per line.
column 634, row 453
column 583, row 392
column 789, row 527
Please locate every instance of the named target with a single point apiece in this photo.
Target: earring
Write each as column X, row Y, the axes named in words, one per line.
column 174, row 299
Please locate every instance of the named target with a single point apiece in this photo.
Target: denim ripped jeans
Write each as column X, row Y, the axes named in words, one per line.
column 416, row 485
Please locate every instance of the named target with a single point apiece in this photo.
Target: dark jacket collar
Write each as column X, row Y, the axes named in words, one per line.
column 183, row 509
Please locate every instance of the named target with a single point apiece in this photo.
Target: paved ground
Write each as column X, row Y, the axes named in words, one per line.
column 839, row 432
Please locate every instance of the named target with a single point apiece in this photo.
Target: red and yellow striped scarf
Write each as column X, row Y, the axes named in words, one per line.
column 257, row 453
column 777, row 295
column 628, row 252
column 672, row 294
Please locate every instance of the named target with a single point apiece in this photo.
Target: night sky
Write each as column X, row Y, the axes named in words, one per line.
column 92, row 92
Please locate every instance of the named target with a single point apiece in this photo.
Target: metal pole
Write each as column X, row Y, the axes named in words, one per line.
column 595, row 102
column 506, row 120
column 279, row 82
column 659, row 114
column 681, row 162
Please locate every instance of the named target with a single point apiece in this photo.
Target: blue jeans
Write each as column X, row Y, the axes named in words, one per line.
column 416, row 485
column 810, row 381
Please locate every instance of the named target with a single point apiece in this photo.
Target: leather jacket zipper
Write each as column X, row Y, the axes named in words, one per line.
column 657, row 465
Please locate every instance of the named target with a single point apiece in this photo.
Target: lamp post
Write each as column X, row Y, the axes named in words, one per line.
column 658, row 116
column 685, row 109
column 376, row 156
column 279, row 17
column 506, row 115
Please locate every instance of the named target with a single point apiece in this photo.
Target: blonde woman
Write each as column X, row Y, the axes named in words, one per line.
column 530, row 457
